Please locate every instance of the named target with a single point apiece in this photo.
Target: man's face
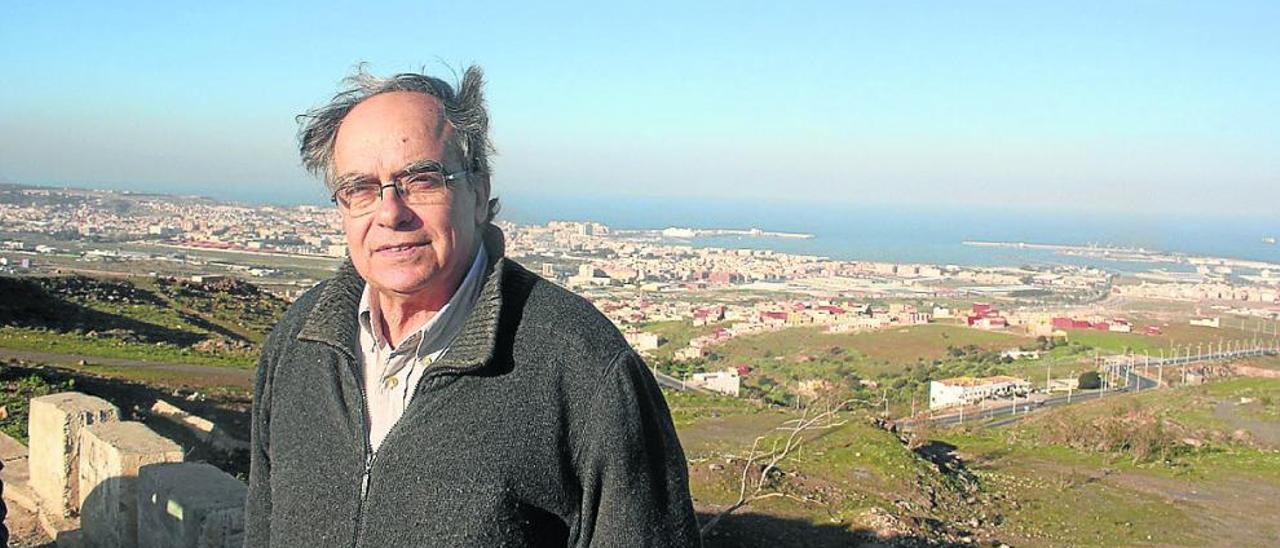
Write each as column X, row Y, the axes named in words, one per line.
column 419, row 251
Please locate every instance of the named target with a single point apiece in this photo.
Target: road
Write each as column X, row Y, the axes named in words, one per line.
column 1002, row 412
column 667, row 381
column 168, row 373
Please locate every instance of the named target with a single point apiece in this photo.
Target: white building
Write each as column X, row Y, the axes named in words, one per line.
column 1019, row 354
column 1214, row 322
column 725, row 382
column 643, row 341
column 968, row 390
column 690, row 353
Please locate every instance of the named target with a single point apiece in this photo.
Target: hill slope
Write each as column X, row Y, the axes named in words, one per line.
column 149, row 319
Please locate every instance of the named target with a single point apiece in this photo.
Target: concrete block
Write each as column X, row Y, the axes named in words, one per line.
column 53, row 430
column 189, row 505
column 204, row 429
column 16, row 475
column 65, row 531
column 110, row 456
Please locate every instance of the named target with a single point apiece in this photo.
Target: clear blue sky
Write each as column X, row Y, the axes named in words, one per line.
column 1111, row 105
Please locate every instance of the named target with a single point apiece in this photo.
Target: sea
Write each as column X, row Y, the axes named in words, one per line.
column 922, row 234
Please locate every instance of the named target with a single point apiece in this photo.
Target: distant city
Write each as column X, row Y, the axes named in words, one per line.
column 636, row 277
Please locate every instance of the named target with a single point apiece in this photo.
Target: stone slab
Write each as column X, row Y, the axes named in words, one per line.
column 203, row 429
column 16, row 474
column 53, row 428
column 189, row 505
column 65, row 531
column 110, row 456
column 11, row 449
column 17, row 489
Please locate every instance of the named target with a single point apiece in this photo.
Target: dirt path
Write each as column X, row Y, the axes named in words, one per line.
column 174, row 374
column 1232, row 511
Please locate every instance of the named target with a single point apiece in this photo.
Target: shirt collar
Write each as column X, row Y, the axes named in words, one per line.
column 440, row 329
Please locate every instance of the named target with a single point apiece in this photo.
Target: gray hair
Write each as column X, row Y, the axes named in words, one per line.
column 465, row 110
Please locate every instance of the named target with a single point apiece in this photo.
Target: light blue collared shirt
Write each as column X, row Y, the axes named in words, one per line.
column 391, row 375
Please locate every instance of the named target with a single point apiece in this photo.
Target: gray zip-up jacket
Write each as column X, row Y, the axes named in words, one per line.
column 539, row 427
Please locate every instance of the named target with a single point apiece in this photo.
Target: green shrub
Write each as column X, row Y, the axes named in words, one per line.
column 1090, row 380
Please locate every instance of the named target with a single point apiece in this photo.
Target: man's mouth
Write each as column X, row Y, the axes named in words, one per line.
column 397, row 248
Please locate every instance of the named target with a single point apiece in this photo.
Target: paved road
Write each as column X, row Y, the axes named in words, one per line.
column 667, row 381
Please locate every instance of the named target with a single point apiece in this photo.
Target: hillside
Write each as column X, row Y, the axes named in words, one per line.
column 146, row 319
column 850, row 483
column 1168, row 467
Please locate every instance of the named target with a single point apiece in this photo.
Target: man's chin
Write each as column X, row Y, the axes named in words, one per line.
column 405, row 283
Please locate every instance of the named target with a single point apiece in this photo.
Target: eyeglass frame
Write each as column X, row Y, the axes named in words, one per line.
column 416, row 168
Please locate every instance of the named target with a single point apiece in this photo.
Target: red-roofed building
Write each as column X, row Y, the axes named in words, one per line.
column 773, row 317
column 724, row 278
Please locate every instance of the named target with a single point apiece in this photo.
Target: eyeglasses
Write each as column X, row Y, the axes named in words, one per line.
column 421, row 184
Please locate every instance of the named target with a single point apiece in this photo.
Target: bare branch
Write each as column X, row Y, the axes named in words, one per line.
column 829, row 418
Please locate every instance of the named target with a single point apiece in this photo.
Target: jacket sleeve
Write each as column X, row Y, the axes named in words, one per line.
column 634, row 478
column 258, row 503
column 4, row 514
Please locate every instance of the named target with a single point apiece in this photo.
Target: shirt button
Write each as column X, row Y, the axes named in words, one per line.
column 390, row 382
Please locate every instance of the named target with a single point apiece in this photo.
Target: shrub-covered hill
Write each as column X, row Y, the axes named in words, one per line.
column 850, row 482
column 1186, row 466
column 154, row 319
column 1189, row 466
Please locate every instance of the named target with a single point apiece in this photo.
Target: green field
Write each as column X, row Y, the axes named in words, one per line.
column 1174, row 333
column 871, row 352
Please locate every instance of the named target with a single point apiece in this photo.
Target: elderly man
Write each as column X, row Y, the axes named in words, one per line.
column 434, row 392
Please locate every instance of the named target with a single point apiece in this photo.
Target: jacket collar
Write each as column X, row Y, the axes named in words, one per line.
column 333, row 319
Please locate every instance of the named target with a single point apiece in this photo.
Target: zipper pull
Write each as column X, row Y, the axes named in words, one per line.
column 364, row 481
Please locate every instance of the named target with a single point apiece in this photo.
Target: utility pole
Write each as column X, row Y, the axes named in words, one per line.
column 1048, row 378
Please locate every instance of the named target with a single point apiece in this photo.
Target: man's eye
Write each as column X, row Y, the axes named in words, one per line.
column 362, row 190
column 425, row 180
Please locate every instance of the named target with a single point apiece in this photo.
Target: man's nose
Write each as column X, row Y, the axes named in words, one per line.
column 392, row 210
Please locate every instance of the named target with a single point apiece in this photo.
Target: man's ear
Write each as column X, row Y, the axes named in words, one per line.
column 480, row 186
